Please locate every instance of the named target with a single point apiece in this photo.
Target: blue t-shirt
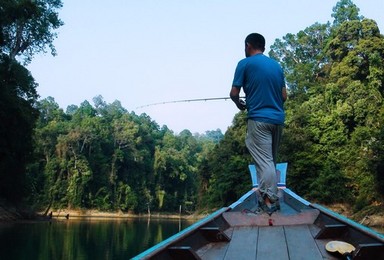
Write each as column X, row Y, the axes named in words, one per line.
column 262, row 79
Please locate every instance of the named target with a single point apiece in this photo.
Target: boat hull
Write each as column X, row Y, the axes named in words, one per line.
column 299, row 230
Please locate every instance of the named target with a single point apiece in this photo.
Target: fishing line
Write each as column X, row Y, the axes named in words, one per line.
column 185, row 101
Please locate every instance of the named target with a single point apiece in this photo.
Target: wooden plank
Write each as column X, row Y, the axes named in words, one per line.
column 362, row 230
column 183, row 252
column 300, row 243
column 277, row 219
column 369, row 251
column 214, row 234
column 321, row 243
column 314, row 229
column 212, row 251
column 229, row 232
column 331, row 231
column 321, row 246
column 160, row 247
column 243, row 243
column 271, row 244
column 286, row 209
column 215, row 250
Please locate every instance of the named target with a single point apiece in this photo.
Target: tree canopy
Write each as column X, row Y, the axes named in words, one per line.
column 334, row 113
column 26, row 28
column 105, row 157
column 101, row 156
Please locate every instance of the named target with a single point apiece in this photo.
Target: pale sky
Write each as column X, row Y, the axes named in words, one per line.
column 146, row 51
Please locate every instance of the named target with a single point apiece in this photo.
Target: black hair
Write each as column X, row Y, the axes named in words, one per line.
column 256, row 40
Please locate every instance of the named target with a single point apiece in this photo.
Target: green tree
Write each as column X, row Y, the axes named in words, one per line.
column 345, row 10
column 17, row 117
column 52, row 122
column 356, row 87
column 89, row 157
column 334, row 113
column 226, row 167
column 104, row 157
column 26, row 29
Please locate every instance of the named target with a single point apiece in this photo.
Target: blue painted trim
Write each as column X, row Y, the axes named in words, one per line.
column 349, row 222
column 252, row 171
column 244, row 197
column 297, row 197
column 162, row 245
column 281, row 167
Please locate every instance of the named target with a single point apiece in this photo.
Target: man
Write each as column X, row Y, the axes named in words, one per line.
column 263, row 82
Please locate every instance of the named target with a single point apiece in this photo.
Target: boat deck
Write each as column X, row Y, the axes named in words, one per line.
column 275, row 242
column 286, row 234
column 299, row 230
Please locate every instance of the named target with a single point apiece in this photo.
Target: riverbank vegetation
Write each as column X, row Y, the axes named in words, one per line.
column 101, row 156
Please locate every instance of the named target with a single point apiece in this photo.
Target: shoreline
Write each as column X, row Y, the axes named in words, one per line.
column 371, row 220
column 374, row 220
column 13, row 215
column 95, row 214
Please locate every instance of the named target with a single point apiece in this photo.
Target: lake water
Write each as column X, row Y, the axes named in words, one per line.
column 85, row 239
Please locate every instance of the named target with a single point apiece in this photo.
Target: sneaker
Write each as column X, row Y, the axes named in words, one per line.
column 258, row 211
column 261, row 203
column 275, row 201
column 271, row 209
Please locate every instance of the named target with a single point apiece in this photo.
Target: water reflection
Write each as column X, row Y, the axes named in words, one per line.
column 85, row 238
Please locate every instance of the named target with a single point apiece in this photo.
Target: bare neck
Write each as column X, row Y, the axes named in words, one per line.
column 254, row 52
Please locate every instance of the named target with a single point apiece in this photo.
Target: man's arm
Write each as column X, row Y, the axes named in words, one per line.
column 284, row 93
column 235, row 96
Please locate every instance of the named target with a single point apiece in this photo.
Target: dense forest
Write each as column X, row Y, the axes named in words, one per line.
column 101, row 156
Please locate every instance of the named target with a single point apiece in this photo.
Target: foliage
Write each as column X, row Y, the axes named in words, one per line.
column 102, row 156
column 26, row 28
column 332, row 139
column 224, row 171
column 333, row 133
column 334, row 111
column 17, row 117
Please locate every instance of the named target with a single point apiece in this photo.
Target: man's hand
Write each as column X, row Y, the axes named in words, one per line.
column 234, row 95
column 241, row 105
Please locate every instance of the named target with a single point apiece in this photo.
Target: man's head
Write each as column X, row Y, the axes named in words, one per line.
column 256, row 41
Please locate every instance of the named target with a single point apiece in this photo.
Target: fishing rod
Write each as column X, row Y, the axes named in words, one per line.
column 185, row 101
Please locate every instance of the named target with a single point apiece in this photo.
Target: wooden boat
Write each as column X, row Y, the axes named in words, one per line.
column 299, row 230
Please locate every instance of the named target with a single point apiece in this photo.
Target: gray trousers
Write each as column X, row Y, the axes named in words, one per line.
column 262, row 141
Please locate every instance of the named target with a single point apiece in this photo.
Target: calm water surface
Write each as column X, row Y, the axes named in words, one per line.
column 85, row 239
